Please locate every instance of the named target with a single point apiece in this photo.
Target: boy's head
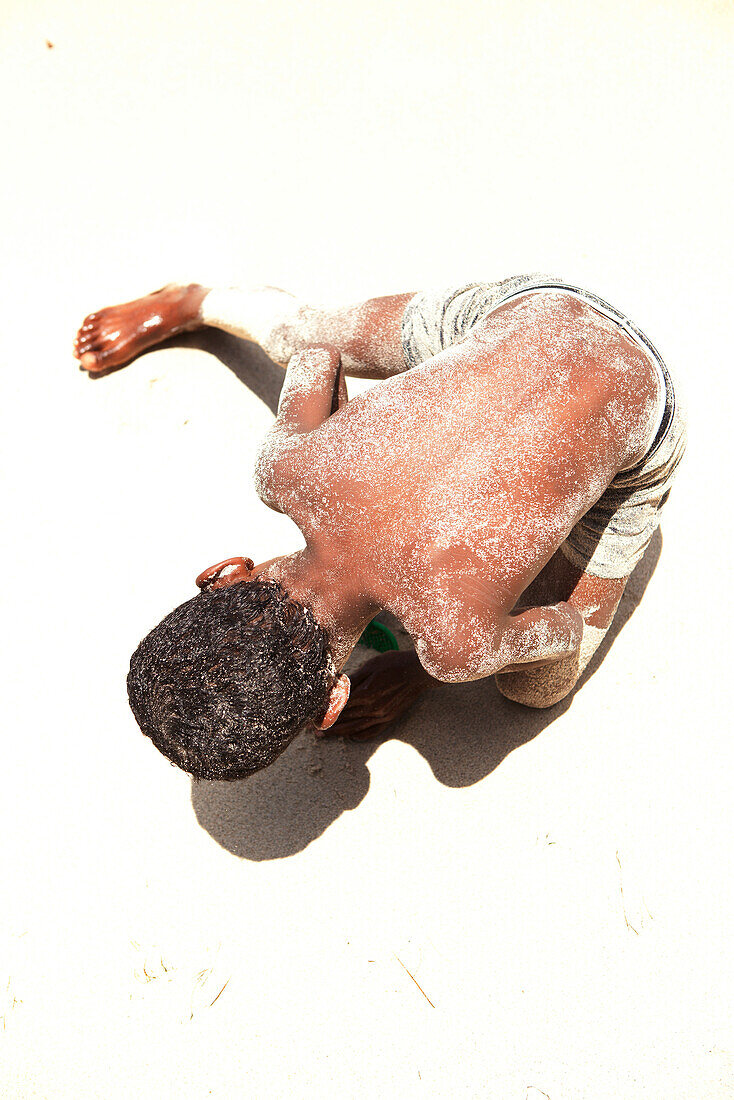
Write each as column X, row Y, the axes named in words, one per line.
column 225, row 682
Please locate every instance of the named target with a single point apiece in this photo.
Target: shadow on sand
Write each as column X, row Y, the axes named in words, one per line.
column 463, row 731
column 247, row 361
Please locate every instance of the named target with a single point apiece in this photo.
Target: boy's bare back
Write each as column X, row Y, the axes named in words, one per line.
column 448, row 488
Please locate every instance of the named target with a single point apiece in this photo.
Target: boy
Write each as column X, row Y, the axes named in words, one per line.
column 494, row 492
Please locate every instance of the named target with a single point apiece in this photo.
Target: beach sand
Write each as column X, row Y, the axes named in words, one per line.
column 493, row 901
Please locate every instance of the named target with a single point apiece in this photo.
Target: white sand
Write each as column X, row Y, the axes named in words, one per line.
column 559, row 884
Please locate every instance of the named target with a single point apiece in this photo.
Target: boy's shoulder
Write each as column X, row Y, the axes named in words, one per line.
column 279, row 467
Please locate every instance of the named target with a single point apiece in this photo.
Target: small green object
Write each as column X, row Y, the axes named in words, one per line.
column 378, row 637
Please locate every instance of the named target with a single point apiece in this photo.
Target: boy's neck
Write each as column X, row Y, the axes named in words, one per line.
column 333, row 592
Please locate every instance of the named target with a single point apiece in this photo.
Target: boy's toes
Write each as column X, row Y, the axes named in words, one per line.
column 100, row 358
column 88, row 360
column 85, row 337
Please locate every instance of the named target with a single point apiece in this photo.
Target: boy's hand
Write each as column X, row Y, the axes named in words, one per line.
column 313, row 389
column 382, row 690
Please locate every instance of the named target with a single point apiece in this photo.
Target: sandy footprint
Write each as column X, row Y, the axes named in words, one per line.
column 184, row 986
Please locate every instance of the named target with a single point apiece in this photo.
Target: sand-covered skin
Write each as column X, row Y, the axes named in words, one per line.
column 448, row 487
column 557, row 882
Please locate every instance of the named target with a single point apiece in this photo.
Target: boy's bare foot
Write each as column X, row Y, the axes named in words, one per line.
column 114, row 336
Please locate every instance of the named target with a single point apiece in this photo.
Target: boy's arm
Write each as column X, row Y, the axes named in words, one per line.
column 382, row 690
column 596, row 600
column 313, row 389
column 387, row 686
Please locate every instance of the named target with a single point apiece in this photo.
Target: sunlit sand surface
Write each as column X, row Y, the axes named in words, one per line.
column 492, row 902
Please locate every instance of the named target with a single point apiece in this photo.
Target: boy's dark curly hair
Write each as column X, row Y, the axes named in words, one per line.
column 225, row 682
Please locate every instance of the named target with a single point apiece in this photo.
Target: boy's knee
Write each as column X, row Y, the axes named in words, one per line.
column 540, row 687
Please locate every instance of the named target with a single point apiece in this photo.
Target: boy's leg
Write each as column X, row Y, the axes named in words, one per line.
column 376, row 338
column 368, row 334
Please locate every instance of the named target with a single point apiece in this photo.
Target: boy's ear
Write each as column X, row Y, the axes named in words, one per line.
column 337, row 702
column 225, row 573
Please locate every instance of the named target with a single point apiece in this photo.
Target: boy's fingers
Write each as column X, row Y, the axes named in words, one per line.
column 361, row 731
